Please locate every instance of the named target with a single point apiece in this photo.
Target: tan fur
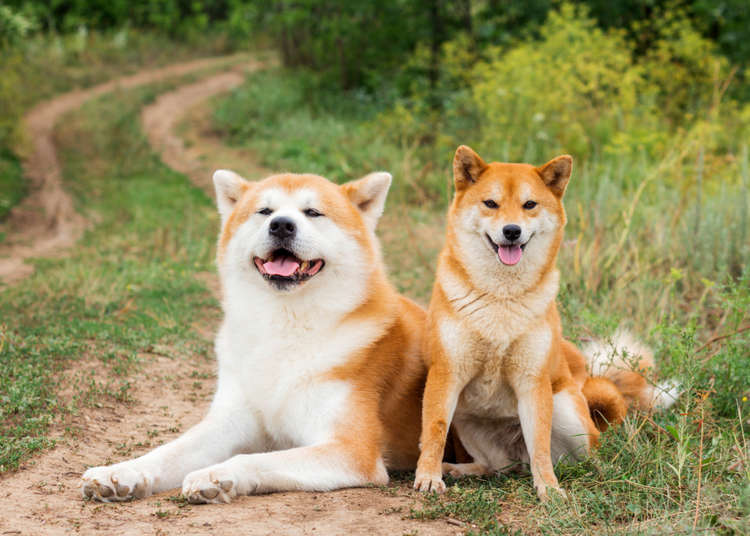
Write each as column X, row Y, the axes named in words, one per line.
column 606, row 404
column 494, row 344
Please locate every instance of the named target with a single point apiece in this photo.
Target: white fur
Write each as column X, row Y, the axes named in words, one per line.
column 624, row 352
column 569, row 434
column 271, row 424
column 621, row 351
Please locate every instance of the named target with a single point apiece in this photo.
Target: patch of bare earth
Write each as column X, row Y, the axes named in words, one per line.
column 169, row 394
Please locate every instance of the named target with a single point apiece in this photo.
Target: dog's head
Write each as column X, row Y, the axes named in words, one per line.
column 508, row 218
column 291, row 234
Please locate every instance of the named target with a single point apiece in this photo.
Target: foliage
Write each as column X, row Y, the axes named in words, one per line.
column 366, row 43
column 14, row 26
column 571, row 89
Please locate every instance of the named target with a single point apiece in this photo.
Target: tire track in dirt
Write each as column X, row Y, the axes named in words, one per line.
column 45, row 223
column 171, row 393
column 160, row 119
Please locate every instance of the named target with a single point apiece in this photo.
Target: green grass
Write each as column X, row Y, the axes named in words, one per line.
column 679, row 283
column 127, row 287
column 12, row 183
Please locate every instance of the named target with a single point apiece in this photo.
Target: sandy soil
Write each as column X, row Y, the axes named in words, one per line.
column 171, row 392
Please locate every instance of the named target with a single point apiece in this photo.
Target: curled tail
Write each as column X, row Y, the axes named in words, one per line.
column 606, row 403
column 625, row 362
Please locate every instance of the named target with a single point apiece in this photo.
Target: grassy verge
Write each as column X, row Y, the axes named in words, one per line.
column 659, row 271
column 12, row 185
column 128, row 286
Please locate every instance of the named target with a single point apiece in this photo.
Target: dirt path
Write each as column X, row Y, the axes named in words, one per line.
column 46, row 223
column 171, row 393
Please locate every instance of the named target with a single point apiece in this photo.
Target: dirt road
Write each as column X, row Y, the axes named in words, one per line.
column 46, row 222
column 171, row 392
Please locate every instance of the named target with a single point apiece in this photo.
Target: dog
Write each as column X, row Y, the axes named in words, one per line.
column 320, row 374
column 499, row 369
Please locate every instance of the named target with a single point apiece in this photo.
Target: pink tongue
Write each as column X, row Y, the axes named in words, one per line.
column 509, row 254
column 284, row 267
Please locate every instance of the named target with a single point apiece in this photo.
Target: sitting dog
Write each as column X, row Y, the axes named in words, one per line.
column 320, row 375
column 499, row 368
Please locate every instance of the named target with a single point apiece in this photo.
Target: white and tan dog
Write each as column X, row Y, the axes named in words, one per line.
column 516, row 390
column 320, row 377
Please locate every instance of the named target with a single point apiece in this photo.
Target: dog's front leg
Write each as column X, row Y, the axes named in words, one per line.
column 220, row 435
column 534, row 395
column 440, row 398
column 314, row 468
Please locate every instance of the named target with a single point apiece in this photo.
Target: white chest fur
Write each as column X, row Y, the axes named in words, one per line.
column 490, row 338
column 274, row 367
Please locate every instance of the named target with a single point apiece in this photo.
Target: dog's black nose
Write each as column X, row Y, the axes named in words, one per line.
column 512, row 232
column 282, row 227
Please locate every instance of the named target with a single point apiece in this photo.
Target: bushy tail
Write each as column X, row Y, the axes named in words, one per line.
column 627, row 362
column 606, row 404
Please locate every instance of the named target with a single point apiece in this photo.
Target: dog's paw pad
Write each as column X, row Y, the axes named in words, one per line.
column 209, row 486
column 115, row 483
column 210, row 493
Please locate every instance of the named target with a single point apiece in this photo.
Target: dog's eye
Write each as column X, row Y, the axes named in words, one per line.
column 265, row 211
column 312, row 213
column 528, row 205
column 489, row 203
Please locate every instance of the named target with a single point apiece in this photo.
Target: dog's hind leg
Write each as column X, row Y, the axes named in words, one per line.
column 573, row 432
column 487, row 441
column 313, row 468
column 457, row 470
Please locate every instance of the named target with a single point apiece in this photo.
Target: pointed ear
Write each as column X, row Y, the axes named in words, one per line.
column 368, row 194
column 556, row 173
column 229, row 188
column 467, row 165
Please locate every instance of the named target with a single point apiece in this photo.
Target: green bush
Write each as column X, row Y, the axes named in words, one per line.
column 571, row 90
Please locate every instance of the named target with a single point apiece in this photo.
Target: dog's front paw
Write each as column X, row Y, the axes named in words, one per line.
column 428, row 481
column 116, row 483
column 545, row 492
column 217, row 484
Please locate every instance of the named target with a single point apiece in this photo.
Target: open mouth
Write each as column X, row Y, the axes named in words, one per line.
column 284, row 267
column 509, row 254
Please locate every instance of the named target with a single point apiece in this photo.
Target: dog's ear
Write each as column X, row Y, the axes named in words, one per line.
column 556, row 173
column 467, row 166
column 368, row 194
column 229, row 188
